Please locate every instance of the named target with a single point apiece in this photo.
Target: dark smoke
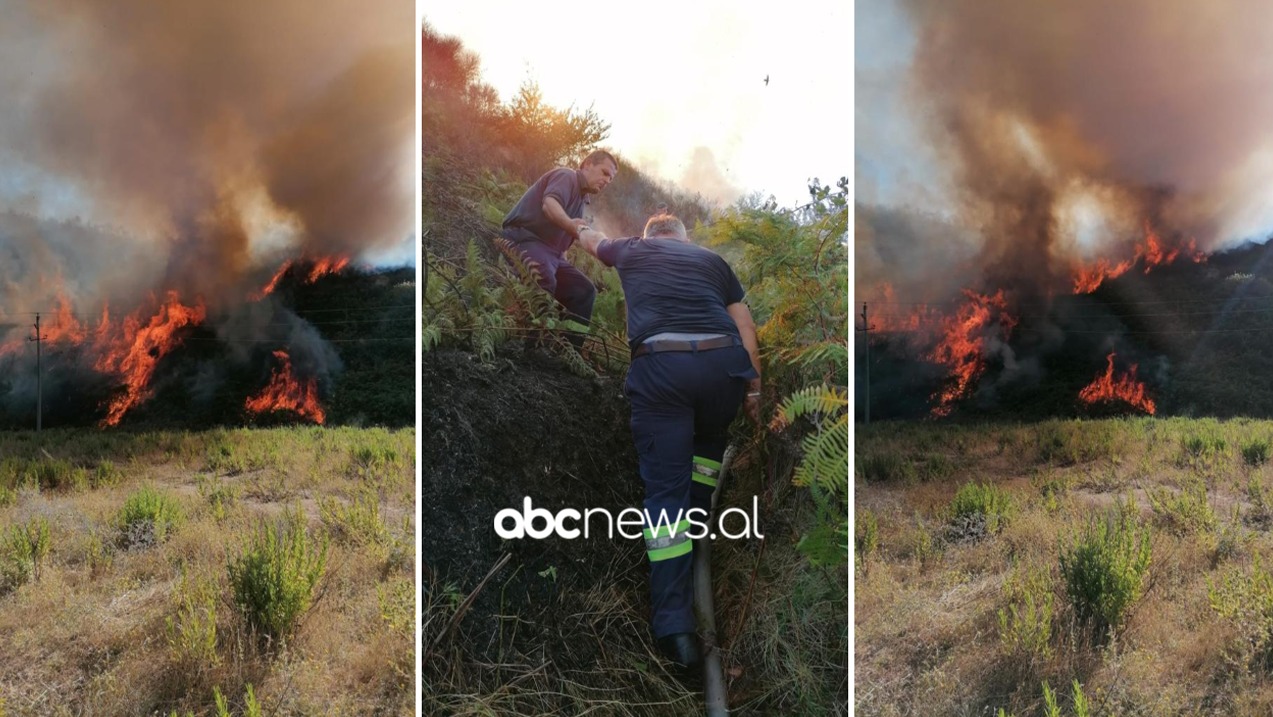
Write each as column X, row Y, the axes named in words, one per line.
column 203, row 128
column 194, row 146
column 1046, row 116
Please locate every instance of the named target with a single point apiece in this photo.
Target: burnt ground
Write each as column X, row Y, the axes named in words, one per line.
column 562, row 627
column 496, row 432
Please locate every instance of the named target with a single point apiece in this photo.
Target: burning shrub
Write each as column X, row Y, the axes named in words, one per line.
column 148, row 517
column 1104, row 570
column 274, row 578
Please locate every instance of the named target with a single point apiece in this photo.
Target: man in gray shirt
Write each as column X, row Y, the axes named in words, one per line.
column 547, row 220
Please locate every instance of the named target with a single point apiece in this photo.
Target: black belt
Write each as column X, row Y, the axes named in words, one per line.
column 654, row 347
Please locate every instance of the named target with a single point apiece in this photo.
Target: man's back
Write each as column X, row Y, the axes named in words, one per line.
column 672, row 286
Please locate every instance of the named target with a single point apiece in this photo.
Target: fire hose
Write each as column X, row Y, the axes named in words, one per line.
column 713, row 674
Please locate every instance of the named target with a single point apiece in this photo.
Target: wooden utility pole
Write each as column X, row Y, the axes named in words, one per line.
column 866, row 329
column 39, row 381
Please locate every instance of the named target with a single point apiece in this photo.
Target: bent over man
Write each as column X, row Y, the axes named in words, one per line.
column 694, row 362
column 548, row 219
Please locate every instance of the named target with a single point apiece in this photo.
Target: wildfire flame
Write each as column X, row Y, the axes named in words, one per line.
column 1125, row 388
column 138, row 347
column 320, row 268
column 285, row 393
column 917, row 318
column 1152, row 252
column 962, row 347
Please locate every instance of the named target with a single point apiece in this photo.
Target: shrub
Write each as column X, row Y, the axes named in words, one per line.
column 192, row 630
column 24, row 549
column 936, row 467
column 866, row 537
column 1025, row 625
column 878, row 467
column 1184, row 511
column 221, row 497
column 1074, row 442
column 1246, row 600
column 105, row 474
column 1201, row 447
column 980, row 509
column 148, row 517
column 356, row 522
column 274, row 578
column 1104, row 570
column 1256, row 452
column 1261, row 512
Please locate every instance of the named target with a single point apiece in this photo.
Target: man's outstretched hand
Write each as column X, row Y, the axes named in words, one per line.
column 589, row 239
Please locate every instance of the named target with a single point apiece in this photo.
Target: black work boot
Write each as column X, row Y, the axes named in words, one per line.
column 682, row 649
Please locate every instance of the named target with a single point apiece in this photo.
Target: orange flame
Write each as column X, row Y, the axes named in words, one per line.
column 326, row 265
column 64, row 327
column 1125, row 388
column 285, row 393
column 138, row 349
column 322, row 267
column 895, row 318
column 963, row 345
column 1153, row 252
column 1089, row 279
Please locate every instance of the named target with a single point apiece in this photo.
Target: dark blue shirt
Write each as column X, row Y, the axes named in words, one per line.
column 527, row 221
column 672, row 286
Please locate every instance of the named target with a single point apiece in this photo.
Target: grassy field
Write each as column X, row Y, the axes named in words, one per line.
column 148, row 573
column 1119, row 562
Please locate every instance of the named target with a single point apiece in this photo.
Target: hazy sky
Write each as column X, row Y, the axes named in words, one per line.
column 674, row 77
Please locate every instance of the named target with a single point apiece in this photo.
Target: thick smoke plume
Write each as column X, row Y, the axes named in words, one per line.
column 1065, row 129
column 212, row 133
column 1070, row 144
column 159, row 158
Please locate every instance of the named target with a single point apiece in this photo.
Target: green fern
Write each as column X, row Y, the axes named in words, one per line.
column 823, row 467
column 825, row 400
column 826, row 456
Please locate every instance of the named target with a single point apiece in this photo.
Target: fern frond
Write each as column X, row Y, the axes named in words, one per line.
column 823, row 399
column 826, row 457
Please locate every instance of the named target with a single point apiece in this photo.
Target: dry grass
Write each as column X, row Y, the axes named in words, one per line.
column 96, row 634
column 928, row 639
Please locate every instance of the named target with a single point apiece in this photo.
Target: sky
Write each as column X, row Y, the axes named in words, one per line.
column 676, row 78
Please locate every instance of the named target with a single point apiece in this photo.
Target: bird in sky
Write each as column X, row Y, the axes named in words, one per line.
column 766, row 80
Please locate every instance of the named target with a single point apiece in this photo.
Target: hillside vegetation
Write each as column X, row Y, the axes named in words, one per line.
column 1106, row 567
column 511, row 410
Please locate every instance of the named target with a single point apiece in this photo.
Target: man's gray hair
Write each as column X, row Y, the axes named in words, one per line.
column 665, row 225
column 597, row 157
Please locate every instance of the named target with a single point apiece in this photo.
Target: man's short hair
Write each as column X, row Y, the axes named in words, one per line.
column 662, row 225
column 596, row 157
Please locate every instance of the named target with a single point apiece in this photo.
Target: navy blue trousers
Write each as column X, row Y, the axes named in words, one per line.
column 682, row 405
column 572, row 289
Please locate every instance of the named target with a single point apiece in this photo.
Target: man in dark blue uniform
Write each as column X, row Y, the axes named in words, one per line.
column 695, row 361
column 547, row 220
